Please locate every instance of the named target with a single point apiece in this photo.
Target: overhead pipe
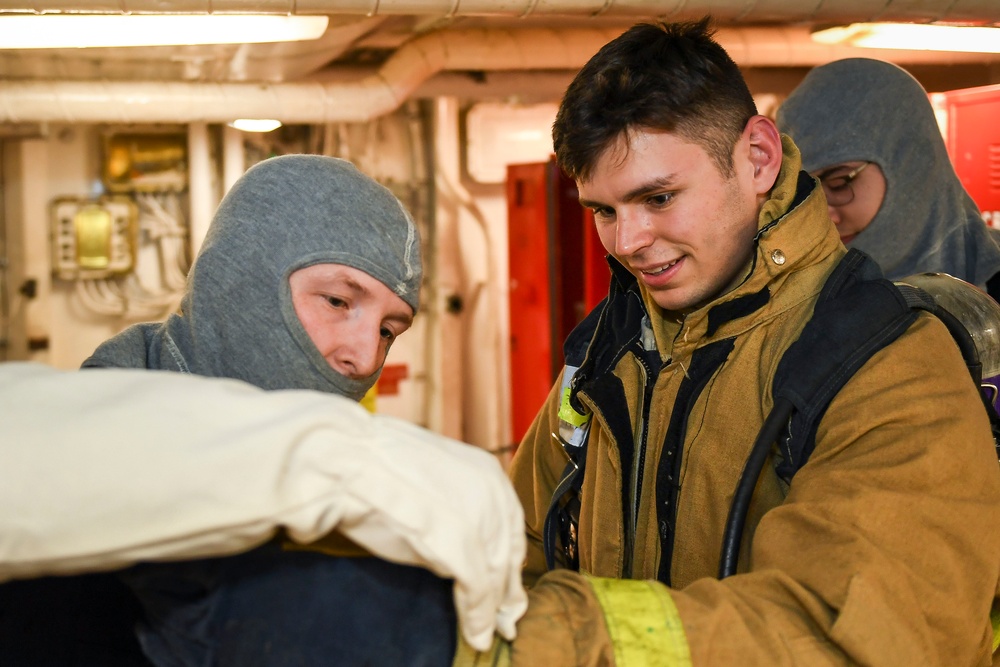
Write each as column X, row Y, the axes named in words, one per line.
column 372, row 96
column 385, row 90
column 749, row 11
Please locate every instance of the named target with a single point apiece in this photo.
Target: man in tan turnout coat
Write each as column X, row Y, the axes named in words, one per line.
column 885, row 547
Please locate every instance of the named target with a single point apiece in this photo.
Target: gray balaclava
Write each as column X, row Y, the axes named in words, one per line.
column 237, row 319
column 864, row 109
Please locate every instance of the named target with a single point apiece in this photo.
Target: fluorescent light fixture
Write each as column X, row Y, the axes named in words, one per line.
column 913, row 36
column 255, row 124
column 68, row 31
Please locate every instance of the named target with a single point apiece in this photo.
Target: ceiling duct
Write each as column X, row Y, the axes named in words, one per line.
column 386, row 89
column 376, row 94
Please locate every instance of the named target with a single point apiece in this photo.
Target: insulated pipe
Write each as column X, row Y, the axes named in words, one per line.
column 200, row 185
column 373, row 96
column 386, row 89
column 233, row 157
column 816, row 11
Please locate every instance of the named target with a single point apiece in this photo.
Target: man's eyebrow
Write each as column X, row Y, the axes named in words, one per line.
column 638, row 192
column 353, row 285
column 401, row 316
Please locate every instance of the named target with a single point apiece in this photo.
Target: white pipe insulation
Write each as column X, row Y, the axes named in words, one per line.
column 372, row 96
column 201, row 190
column 385, row 90
column 233, row 157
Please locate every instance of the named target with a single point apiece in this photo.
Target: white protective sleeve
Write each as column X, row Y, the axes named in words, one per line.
column 104, row 468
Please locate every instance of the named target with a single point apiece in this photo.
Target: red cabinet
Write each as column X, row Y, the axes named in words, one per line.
column 557, row 275
column 972, row 134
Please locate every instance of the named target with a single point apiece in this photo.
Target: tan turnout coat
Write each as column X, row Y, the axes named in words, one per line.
column 885, row 549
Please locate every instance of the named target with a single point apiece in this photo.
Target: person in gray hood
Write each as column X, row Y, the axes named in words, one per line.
column 291, row 224
column 868, row 132
column 309, row 271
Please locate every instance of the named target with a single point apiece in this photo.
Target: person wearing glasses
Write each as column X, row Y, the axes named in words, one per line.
column 838, row 186
column 867, row 131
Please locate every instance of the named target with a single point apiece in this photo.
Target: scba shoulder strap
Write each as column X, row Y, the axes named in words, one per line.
column 858, row 313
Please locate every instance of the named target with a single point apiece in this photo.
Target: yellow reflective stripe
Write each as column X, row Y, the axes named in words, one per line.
column 995, row 620
column 643, row 622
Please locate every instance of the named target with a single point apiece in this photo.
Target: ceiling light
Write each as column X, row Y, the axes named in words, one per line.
column 913, row 36
column 255, row 124
column 67, row 31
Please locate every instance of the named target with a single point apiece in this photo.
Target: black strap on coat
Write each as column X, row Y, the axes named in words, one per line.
column 857, row 314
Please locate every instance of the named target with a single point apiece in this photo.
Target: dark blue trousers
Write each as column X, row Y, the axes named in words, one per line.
column 266, row 608
column 271, row 607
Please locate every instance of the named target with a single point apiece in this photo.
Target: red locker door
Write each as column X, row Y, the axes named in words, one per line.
column 973, row 139
column 557, row 275
column 531, row 321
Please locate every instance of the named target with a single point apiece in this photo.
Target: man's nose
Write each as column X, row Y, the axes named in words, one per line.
column 361, row 355
column 632, row 234
column 834, row 214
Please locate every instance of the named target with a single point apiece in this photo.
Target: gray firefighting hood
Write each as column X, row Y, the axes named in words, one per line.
column 864, row 109
column 236, row 319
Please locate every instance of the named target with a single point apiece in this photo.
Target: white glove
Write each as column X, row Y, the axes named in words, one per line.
column 105, row 468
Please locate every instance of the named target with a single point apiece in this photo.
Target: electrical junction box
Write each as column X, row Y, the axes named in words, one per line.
column 93, row 239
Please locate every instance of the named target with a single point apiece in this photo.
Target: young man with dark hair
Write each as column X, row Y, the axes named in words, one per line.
column 883, row 549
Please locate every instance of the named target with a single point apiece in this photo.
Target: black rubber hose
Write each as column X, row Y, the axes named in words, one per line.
column 773, row 426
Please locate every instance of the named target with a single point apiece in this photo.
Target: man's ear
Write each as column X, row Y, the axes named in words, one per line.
column 764, row 143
